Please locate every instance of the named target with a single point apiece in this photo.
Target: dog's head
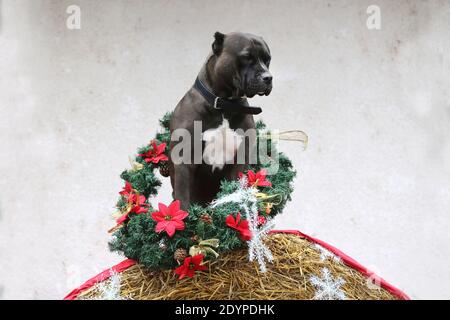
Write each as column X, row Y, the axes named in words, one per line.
column 242, row 63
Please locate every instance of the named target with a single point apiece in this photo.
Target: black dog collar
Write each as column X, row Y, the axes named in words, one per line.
column 224, row 105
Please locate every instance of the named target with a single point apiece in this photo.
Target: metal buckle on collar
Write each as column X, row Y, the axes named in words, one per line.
column 215, row 103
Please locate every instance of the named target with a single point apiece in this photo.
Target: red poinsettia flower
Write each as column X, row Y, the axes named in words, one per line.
column 127, row 190
column 169, row 218
column 241, row 226
column 258, row 179
column 136, row 200
column 155, row 154
column 190, row 266
column 136, row 204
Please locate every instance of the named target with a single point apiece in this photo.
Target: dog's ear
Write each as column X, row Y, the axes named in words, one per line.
column 217, row 45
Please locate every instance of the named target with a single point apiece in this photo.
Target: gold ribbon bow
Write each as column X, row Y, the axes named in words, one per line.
column 266, row 204
column 135, row 166
column 290, row 135
column 205, row 246
column 264, row 197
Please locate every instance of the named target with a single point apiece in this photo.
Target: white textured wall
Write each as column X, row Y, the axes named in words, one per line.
column 375, row 181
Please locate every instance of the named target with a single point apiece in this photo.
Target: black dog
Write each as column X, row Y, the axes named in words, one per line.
column 236, row 69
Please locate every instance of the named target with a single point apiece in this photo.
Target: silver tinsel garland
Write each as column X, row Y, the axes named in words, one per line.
column 246, row 198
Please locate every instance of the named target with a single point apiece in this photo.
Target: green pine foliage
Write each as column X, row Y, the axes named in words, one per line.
column 137, row 238
column 164, row 135
column 143, row 181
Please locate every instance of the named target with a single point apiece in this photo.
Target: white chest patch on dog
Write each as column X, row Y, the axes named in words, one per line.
column 221, row 145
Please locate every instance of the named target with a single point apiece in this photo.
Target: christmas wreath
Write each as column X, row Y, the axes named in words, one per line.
column 170, row 238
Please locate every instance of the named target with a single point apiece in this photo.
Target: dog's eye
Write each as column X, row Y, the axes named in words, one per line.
column 247, row 58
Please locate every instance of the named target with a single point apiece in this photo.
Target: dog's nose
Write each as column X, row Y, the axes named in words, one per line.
column 267, row 78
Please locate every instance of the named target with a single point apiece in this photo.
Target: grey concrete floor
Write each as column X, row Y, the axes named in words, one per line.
column 375, row 180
